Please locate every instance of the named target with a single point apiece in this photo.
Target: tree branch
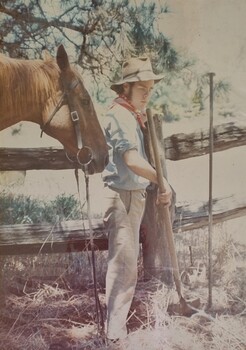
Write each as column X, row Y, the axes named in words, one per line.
column 18, row 16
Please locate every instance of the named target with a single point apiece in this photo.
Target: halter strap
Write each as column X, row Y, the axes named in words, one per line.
column 75, row 120
column 58, row 106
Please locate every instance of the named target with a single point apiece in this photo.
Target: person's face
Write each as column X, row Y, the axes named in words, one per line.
column 139, row 93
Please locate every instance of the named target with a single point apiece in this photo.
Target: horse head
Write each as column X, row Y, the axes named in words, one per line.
column 72, row 119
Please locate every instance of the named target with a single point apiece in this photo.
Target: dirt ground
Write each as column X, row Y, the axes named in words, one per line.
column 50, row 302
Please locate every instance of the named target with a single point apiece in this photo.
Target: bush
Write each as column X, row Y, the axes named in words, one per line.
column 17, row 209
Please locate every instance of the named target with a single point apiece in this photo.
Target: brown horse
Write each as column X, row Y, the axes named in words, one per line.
column 50, row 93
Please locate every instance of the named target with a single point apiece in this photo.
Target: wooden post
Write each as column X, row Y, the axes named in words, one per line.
column 2, row 291
column 156, row 258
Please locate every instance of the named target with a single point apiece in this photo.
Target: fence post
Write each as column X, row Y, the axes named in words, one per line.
column 156, row 258
column 2, row 291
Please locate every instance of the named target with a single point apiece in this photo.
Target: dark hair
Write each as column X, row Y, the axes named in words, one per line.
column 119, row 89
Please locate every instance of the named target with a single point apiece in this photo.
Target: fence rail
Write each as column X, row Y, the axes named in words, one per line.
column 71, row 236
column 74, row 236
column 177, row 147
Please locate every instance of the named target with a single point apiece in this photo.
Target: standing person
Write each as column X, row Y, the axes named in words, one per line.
column 126, row 177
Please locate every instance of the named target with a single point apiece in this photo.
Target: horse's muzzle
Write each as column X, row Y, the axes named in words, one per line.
column 85, row 157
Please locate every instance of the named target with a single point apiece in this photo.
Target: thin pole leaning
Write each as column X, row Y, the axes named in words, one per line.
column 185, row 309
column 165, row 212
column 210, row 201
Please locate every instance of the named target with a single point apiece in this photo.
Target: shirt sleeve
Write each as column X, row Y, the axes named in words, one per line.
column 121, row 131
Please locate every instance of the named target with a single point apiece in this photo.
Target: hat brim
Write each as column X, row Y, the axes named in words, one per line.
column 139, row 77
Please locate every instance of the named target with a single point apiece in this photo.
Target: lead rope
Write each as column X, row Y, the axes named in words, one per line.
column 99, row 310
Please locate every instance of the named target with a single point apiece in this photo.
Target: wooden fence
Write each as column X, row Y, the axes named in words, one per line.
column 72, row 236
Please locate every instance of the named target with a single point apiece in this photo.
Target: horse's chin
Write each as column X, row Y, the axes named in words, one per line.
column 86, row 160
column 91, row 170
column 97, row 167
column 85, row 163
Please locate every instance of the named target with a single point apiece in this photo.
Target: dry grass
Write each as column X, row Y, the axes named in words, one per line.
column 50, row 302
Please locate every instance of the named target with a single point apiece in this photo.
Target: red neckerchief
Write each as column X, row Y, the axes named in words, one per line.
column 124, row 102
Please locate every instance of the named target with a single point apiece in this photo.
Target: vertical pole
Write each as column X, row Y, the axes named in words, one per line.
column 156, row 255
column 210, row 204
column 164, row 210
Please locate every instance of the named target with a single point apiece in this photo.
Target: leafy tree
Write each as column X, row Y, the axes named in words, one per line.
column 98, row 34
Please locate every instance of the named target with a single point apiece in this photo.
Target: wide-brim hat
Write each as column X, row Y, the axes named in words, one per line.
column 137, row 69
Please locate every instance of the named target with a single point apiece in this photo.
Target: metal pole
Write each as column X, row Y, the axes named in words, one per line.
column 210, row 204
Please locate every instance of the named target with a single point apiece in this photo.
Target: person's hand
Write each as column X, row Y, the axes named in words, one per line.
column 164, row 198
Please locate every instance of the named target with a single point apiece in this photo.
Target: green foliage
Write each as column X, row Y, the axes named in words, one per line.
column 22, row 209
column 99, row 35
column 221, row 88
column 197, row 98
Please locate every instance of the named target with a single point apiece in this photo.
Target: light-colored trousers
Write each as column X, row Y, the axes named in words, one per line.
column 123, row 217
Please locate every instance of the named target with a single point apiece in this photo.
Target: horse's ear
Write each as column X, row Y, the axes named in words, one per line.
column 62, row 58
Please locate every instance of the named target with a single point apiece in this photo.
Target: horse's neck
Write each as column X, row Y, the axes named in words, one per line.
column 8, row 120
column 9, row 117
column 25, row 89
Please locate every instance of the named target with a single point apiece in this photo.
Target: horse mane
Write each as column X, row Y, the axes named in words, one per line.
column 24, row 83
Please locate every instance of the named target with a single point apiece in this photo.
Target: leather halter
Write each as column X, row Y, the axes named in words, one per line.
column 75, row 118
